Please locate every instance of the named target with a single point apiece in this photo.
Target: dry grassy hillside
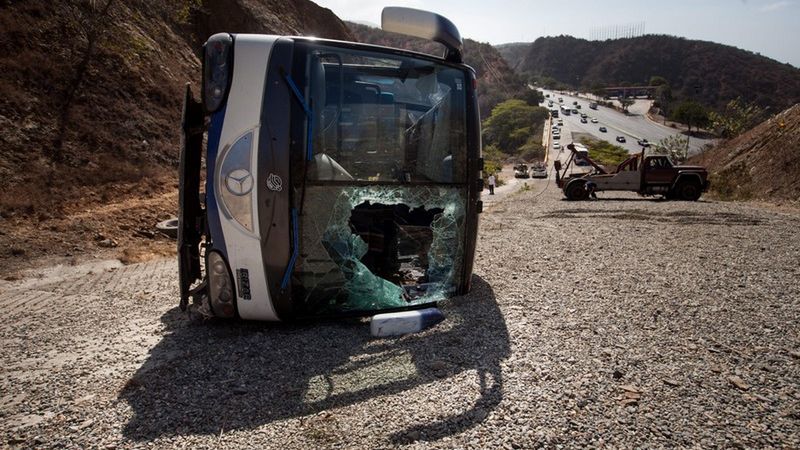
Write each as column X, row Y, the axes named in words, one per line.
column 90, row 106
column 763, row 163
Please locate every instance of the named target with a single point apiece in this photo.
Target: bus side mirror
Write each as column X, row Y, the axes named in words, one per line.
column 425, row 25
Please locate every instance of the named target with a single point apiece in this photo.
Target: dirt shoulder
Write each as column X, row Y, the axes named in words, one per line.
column 121, row 229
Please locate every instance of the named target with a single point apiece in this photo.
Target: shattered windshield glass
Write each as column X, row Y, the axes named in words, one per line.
column 384, row 192
column 379, row 247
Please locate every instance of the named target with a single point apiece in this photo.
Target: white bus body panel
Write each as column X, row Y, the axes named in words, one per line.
column 243, row 113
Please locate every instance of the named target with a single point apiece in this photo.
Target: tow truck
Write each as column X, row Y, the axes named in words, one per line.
column 645, row 174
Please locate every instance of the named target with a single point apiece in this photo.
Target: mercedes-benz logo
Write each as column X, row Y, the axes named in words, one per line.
column 239, row 182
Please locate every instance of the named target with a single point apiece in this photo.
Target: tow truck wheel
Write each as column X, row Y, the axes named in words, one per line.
column 689, row 191
column 576, row 190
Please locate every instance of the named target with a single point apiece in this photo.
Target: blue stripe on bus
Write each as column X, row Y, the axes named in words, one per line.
column 212, row 210
column 295, row 248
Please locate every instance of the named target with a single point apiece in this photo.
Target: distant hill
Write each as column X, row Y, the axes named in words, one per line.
column 762, row 163
column 708, row 72
column 496, row 81
column 514, row 53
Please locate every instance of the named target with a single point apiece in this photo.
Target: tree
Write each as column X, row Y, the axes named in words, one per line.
column 689, row 112
column 512, row 124
column 531, row 96
column 737, row 118
column 664, row 96
column 91, row 21
column 675, row 146
column 656, row 80
column 625, row 102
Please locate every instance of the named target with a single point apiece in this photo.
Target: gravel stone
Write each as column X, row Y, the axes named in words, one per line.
column 617, row 323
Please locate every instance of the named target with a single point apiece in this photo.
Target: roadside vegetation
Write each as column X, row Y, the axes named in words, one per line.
column 513, row 133
column 605, row 153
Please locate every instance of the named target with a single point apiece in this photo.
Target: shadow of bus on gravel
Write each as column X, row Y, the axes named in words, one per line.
column 203, row 379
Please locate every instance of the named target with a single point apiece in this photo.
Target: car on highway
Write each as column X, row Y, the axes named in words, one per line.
column 603, row 129
column 583, row 120
column 643, row 142
column 621, row 139
column 594, row 120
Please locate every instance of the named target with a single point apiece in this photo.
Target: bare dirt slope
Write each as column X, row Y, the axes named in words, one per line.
column 763, row 163
column 623, row 323
column 90, row 105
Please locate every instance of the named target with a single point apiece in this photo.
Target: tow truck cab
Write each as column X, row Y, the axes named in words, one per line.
column 328, row 178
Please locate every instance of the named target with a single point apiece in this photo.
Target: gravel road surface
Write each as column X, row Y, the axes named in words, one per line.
column 615, row 323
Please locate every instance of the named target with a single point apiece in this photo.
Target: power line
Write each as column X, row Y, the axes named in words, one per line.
column 617, row 31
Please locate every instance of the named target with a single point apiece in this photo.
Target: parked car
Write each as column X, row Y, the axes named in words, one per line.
column 521, row 171
column 556, row 136
column 560, row 122
column 556, row 145
column 603, row 129
column 621, row 139
column 583, row 120
column 578, row 106
column 584, row 116
column 594, row 120
column 539, row 171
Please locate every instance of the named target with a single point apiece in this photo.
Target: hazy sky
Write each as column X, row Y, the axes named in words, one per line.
column 769, row 27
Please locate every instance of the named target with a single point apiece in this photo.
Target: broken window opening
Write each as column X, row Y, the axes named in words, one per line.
column 379, row 247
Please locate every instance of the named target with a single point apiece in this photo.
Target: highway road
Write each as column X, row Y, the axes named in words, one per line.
column 633, row 126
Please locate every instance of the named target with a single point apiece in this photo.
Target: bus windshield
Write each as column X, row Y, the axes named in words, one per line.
column 384, row 118
column 384, row 190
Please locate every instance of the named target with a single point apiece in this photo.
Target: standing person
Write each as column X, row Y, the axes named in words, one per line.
column 491, row 184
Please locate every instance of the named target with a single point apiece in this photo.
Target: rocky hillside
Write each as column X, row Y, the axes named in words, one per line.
column 705, row 71
column 91, row 91
column 496, row 81
column 762, row 163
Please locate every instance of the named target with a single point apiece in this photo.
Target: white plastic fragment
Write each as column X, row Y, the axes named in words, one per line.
column 399, row 323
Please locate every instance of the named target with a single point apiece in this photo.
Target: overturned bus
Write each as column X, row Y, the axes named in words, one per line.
column 327, row 178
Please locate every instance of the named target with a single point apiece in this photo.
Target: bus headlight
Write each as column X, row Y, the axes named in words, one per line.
column 217, row 69
column 220, row 285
